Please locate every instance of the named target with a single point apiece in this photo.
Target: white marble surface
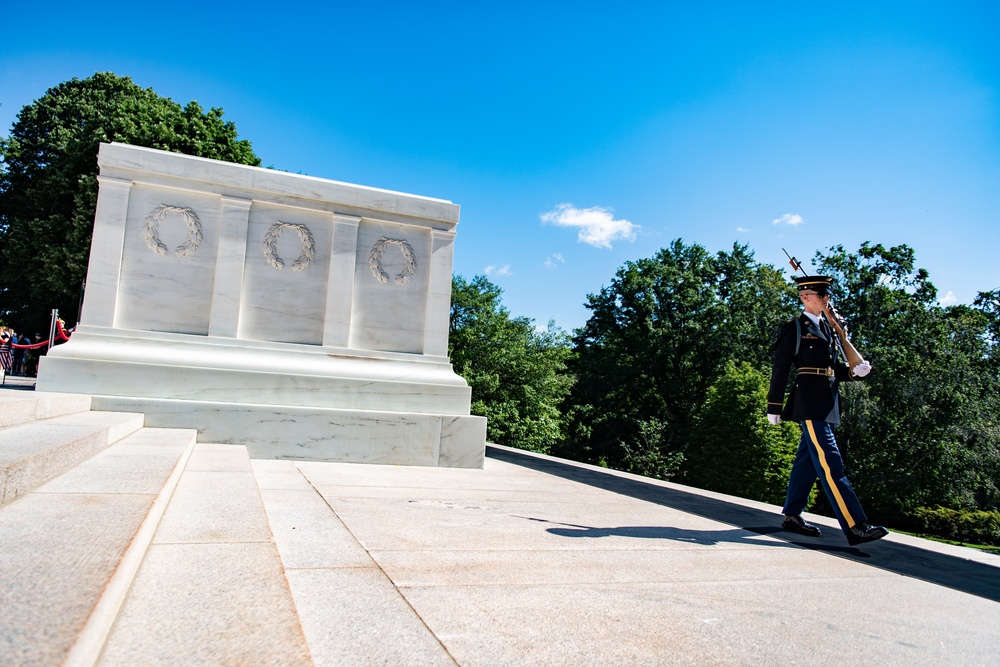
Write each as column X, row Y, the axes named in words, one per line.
column 21, row 407
column 211, row 590
column 285, row 304
column 459, row 442
column 167, row 292
column 439, row 292
column 184, row 367
column 106, row 251
column 339, row 296
column 390, row 315
column 213, row 284
column 124, row 161
column 320, row 434
column 228, row 285
column 150, row 271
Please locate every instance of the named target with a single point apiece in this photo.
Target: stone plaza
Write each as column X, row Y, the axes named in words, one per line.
column 129, row 545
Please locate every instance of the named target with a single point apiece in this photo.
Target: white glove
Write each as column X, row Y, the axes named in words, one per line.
column 862, row 369
column 774, row 419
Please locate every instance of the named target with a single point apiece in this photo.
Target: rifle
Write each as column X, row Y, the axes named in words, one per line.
column 837, row 323
column 796, row 264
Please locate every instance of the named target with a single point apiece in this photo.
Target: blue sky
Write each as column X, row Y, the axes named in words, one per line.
column 577, row 136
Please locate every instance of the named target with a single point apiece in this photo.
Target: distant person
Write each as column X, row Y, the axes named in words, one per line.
column 21, row 356
column 18, row 354
column 6, row 350
column 33, row 354
column 811, row 344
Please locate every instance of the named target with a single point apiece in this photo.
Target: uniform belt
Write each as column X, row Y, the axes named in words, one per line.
column 812, row 370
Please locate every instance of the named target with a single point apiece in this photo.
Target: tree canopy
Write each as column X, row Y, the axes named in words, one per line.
column 658, row 337
column 517, row 373
column 923, row 429
column 670, row 380
column 733, row 448
column 48, row 181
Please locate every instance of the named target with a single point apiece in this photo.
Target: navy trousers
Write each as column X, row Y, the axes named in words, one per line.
column 818, row 456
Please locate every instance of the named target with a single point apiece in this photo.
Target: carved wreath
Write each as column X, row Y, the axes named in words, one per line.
column 271, row 241
column 150, row 231
column 375, row 260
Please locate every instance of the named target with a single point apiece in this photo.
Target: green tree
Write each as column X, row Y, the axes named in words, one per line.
column 48, row 180
column 987, row 304
column 647, row 456
column 657, row 338
column 758, row 298
column 734, row 449
column 922, row 430
column 517, row 373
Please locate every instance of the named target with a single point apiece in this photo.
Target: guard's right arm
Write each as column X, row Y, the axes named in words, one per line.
column 784, row 351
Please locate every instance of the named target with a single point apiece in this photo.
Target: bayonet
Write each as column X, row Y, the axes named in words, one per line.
column 796, row 264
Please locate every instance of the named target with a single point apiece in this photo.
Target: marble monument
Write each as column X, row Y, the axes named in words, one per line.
column 304, row 318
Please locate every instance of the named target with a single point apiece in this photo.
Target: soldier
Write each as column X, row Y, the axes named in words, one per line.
column 809, row 342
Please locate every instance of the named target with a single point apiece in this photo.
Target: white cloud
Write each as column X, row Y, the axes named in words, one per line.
column 948, row 299
column 740, row 229
column 597, row 224
column 497, row 271
column 555, row 260
column 793, row 219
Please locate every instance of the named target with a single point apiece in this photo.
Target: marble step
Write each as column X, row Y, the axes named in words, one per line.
column 22, row 407
column 351, row 611
column 32, row 453
column 70, row 548
column 211, row 589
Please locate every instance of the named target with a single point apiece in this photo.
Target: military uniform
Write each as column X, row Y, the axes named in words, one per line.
column 815, row 394
column 814, row 403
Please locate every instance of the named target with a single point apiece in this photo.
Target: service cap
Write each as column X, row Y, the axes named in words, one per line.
column 818, row 284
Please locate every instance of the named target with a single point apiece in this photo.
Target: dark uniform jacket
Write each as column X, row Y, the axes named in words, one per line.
column 812, row 396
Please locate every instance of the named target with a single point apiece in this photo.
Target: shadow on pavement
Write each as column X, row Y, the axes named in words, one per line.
column 741, row 535
column 941, row 569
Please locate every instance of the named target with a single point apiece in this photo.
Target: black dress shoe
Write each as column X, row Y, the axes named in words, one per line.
column 864, row 533
column 797, row 524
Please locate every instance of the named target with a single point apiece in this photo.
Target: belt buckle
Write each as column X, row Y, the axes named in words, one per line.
column 829, row 372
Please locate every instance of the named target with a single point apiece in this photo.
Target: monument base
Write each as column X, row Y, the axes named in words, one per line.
column 280, row 400
column 319, row 434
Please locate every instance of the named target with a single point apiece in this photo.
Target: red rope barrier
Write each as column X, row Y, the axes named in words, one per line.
column 31, row 347
column 60, row 334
